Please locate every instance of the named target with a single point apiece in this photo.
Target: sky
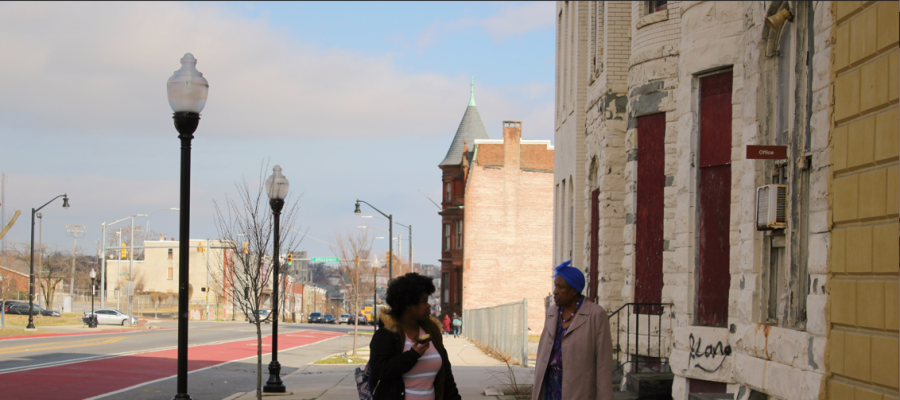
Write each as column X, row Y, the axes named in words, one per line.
column 354, row 100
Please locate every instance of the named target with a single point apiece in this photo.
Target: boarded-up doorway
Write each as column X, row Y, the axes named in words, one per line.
column 651, row 182
column 714, row 195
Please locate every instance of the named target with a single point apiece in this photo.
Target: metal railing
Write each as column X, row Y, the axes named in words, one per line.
column 636, row 312
column 503, row 329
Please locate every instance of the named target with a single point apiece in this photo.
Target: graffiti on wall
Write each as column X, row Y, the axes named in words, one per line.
column 710, row 353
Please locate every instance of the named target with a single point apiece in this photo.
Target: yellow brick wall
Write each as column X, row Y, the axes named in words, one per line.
column 863, row 340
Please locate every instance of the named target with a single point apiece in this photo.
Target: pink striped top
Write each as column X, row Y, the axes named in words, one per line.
column 419, row 381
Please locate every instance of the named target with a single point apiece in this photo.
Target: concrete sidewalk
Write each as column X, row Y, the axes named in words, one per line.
column 473, row 370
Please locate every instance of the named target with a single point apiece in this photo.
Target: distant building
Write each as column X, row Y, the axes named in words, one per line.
column 455, row 169
column 508, row 246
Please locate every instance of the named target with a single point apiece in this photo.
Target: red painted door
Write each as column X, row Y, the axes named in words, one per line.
column 651, row 182
column 595, row 245
column 714, row 192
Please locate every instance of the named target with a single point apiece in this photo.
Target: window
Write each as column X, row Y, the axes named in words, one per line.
column 448, row 192
column 170, row 272
column 788, row 78
column 459, row 234
column 656, row 6
column 446, row 237
column 445, row 287
column 170, row 253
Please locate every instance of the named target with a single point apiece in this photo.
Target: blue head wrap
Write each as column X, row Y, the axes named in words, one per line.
column 573, row 276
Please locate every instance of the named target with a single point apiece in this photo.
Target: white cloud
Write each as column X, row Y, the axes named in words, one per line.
column 101, row 68
column 510, row 21
column 516, row 21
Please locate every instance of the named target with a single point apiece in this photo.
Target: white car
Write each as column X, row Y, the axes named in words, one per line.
column 344, row 319
column 111, row 316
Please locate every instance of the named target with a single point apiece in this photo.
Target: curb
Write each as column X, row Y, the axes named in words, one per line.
column 79, row 333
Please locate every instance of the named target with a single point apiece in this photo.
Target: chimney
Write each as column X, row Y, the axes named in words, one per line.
column 512, row 136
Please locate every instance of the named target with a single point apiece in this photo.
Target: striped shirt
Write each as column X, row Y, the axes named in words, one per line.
column 419, row 381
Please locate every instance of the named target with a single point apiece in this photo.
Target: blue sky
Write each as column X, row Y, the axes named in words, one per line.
column 353, row 100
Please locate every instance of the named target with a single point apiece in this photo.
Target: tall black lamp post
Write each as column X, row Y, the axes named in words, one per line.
column 390, row 253
column 93, row 320
column 277, row 189
column 187, row 91
column 31, row 275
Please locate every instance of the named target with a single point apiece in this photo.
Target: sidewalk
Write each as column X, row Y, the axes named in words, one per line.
column 473, row 370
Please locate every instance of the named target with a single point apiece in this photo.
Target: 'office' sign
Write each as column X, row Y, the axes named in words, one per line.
column 766, row 152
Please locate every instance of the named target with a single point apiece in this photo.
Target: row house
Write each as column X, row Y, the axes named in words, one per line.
column 763, row 272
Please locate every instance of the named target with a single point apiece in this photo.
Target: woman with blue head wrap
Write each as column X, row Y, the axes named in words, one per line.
column 576, row 339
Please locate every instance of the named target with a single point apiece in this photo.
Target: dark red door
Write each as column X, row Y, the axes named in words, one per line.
column 595, row 245
column 714, row 214
column 651, row 182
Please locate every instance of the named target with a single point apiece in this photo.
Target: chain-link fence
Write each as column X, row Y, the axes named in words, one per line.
column 503, row 329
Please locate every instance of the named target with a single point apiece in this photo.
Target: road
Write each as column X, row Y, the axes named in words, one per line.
column 141, row 364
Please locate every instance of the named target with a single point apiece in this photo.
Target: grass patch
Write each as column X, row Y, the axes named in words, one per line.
column 17, row 332
column 340, row 359
column 66, row 319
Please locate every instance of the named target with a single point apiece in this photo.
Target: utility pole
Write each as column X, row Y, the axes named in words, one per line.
column 3, row 210
column 74, row 231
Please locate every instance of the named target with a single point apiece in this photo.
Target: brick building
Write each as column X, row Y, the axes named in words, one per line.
column 673, row 95
column 455, row 167
column 508, row 243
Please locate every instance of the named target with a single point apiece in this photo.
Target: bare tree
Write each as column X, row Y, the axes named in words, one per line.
column 248, row 219
column 353, row 250
column 55, row 268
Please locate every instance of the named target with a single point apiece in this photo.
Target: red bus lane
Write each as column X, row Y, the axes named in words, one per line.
column 87, row 379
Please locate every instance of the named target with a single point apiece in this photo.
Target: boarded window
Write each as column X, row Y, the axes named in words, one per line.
column 714, row 197
column 170, row 254
column 651, row 182
column 595, row 244
column 447, row 192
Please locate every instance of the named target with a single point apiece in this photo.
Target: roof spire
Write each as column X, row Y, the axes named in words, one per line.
column 472, row 91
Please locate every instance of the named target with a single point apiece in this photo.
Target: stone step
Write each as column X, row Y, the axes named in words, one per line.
column 650, row 385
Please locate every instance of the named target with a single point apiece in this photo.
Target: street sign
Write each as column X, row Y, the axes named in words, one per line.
column 766, row 152
column 325, row 259
column 129, row 288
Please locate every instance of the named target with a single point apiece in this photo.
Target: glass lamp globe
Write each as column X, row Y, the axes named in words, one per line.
column 277, row 185
column 187, row 88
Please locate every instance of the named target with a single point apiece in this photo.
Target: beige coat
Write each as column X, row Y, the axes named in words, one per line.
column 586, row 354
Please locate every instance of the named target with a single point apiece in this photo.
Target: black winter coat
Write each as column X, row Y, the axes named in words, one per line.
column 388, row 362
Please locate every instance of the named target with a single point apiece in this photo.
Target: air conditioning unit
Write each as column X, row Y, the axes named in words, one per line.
column 771, row 207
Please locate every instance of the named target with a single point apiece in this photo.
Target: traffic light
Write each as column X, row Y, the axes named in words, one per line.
column 124, row 253
column 290, row 259
column 357, row 260
column 387, row 256
column 200, row 248
column 203, row 289
column 246, row 247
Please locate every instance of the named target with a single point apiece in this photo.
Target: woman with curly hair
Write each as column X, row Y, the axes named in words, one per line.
column 408, row 360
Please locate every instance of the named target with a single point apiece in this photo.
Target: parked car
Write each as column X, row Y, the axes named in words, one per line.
column 315, row 318
column 111, row 316
column 265, row 316
column 50, row 313
column 362, row 320
column 343, row 319
column 329, row 319
column 22, row 308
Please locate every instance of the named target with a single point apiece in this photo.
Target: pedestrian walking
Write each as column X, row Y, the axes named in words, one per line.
column 576, row 341
column 446, row 325
column 408, row 360
column 457, row 325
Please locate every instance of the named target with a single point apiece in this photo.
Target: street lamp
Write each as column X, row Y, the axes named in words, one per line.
column 34, row 211
column 410, row 239
column 277, row 189
column 390, row 235
column 93, row 322
column 187, row 90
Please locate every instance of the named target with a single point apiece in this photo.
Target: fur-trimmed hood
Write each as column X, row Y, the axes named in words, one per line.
column 432, row 326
